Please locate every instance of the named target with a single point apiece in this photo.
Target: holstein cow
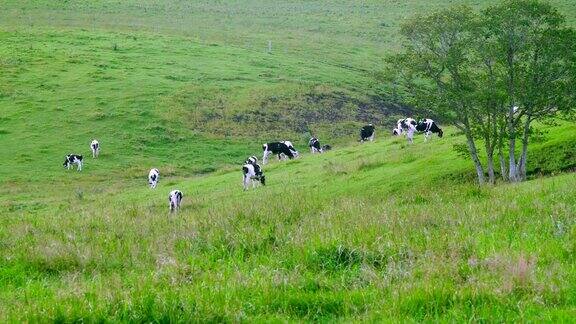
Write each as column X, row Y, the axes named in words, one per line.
column 153, row 177
column 71, row 159
column 428, row 126
column 251, row 160
column 314, row 145
column 398, row 130
column 408, row 126
column 95, row 147
column 367, row 133
column 253, row 173
column 278, row 148
column 175, row 199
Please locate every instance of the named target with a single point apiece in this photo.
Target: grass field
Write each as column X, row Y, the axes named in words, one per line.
column 373, row 232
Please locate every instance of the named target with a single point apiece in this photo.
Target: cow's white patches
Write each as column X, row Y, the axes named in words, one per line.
column 252, row 173
column 175, row 199
column 72, row 159
column 95, row 147
column 153, row 177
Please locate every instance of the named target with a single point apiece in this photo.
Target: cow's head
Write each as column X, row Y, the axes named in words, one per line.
column 263, row 180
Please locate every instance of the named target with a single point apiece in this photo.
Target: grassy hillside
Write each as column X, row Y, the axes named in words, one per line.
column 370, row 232
column 374, row 232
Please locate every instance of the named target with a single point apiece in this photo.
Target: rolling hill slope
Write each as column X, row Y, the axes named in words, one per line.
column 382, row 231
column 369, row 232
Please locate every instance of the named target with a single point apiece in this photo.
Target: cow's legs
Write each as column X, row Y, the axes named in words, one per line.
column 409, row 136
column 246, row 182
column 265, row 156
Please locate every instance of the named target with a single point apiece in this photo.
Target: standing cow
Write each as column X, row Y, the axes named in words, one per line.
column 408, row 126
column 175, row 199
column 314, row 145
column 153, row 177
column 95, row 147
column 71, row 159
column 428, row 126
column 367, row 133
column 252, row 173
column 279, row 148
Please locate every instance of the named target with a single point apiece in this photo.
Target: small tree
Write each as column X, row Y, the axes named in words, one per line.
column 437, row 68
column 491, row 75
column 535, row 58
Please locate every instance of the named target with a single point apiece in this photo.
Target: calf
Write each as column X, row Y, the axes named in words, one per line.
column 153, row 177
column 252, row 173
column 428, row 126
column 278, row 148
column 95, row 147
column 71, row 159
column 175, row 199
column 367, row 133
column 314, row 145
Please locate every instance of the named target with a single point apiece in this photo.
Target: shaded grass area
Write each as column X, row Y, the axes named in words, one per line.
column 368, row 232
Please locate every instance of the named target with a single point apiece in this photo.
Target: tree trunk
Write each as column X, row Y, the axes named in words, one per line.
column 490, row 166
column 512, row 171
column 521, row 167
column 503, row 170
column 490, row 161
column 475, row 159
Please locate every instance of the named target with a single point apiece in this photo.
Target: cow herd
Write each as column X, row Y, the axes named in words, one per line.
column 253, row 172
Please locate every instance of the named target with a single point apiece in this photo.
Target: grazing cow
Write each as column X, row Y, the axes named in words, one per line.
column 291, row 147
column 71, row 159
column 278, row 148
column 253, row 173
column 314, row 145
column 367, row 133
column 398, row 130
column 251, row 160
column 326, row 147
column 95, row 147
column 153, row 177
column 428, row 126
column 175, row 199
column 408, row 126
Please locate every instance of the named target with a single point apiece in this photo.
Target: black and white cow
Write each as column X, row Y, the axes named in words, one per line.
column 251, row 160
column 253, row 173
column 279, row 148
column 367, row 133
column 175, row 199
column 408, row 127
column 399, row 129
column 428, row 126
column 153, row 177
column 314, row 145
column 71, row 159
column 95, row 147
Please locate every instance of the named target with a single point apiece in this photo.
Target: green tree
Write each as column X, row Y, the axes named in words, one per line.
column 490, row 74
column 534, row 57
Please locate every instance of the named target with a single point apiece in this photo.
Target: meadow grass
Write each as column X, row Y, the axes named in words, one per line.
column 376, row 231
column 382, row 231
